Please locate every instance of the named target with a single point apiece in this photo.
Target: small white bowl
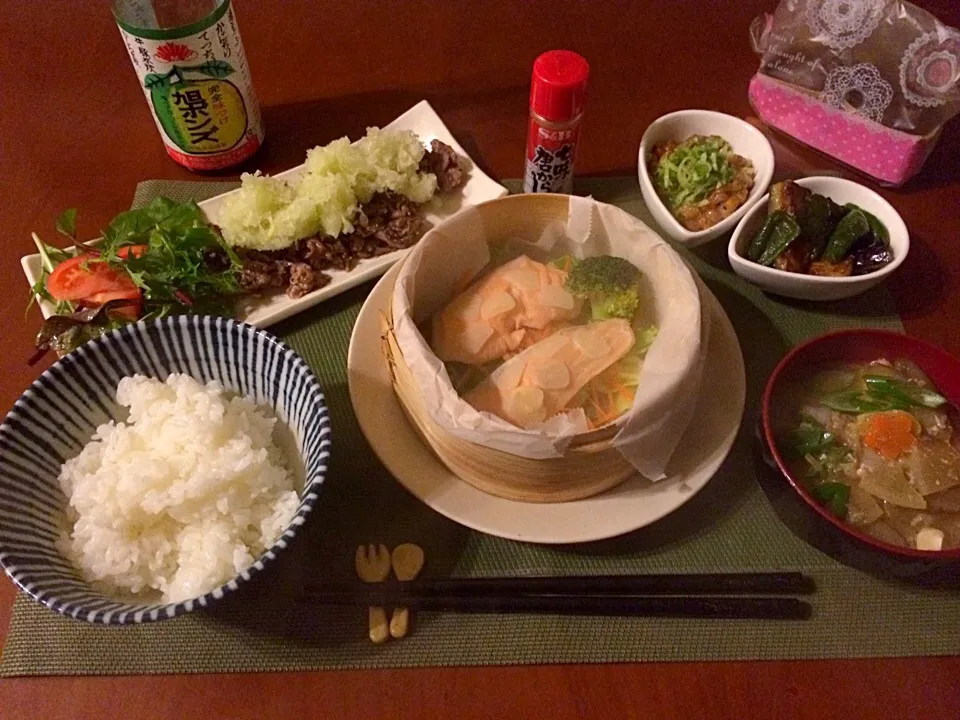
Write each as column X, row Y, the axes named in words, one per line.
column 813, row 287
column 743, row 137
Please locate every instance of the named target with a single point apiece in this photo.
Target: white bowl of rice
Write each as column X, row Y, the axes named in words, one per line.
column 185, row 454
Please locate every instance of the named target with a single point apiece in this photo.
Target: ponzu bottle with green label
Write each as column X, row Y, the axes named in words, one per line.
column 190, row 62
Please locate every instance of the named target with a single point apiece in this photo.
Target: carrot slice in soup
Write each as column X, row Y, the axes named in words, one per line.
column 890, row 433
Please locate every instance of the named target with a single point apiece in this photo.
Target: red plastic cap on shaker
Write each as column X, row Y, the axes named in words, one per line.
column 559, row 85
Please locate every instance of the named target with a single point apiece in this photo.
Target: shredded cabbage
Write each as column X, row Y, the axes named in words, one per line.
column 270, row 214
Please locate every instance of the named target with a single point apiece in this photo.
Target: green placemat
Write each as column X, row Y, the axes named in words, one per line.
column 729, row 526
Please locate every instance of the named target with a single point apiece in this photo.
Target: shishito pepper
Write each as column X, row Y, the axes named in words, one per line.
column 834, row 240
column 853, row 227
column 784, row 230
column 761, row 239
column 878, row 229
column 815, row 223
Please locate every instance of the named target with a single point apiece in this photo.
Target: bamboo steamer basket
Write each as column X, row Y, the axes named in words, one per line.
column 590, row 465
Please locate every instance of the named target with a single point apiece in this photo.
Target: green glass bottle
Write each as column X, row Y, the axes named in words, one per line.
column 190, row 61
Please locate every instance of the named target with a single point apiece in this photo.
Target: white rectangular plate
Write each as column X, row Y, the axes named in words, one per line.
column 421, row 119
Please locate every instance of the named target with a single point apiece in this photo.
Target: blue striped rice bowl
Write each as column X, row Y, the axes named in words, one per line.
column 58, row 414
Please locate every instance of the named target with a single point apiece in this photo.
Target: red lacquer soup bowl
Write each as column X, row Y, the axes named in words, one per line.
column 850, row 346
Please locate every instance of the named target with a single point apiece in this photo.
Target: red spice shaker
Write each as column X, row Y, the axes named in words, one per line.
column 557, row 95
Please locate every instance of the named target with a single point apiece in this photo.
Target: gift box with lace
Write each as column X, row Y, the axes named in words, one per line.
column 869, row 82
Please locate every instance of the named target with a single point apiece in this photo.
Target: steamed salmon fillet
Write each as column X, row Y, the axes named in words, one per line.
column 506, row 311
column 539, row 382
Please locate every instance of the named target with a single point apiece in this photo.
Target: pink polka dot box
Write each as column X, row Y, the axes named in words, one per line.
column 890, row 156
column 868, row 82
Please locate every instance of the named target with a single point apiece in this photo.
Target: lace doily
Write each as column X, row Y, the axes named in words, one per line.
column 859, row 89
column 930, row 68
column 842, row 24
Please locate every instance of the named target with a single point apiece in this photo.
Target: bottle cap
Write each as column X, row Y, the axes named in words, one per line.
column 559, row 85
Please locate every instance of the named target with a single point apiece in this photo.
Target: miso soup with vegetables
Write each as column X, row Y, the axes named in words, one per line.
column 876, row 445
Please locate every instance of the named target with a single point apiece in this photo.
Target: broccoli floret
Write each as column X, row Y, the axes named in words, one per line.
column 610, row 284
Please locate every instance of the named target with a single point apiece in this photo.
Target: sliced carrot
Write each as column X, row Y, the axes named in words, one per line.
column 890, row 433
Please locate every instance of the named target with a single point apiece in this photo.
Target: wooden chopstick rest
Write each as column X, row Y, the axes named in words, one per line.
column 372, row 565
column 407, row 563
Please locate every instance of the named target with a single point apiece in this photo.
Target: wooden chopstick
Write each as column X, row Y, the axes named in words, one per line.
column 786, row 583
column 610, row 605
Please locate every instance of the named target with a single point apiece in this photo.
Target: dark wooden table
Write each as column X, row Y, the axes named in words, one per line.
column 75, row 132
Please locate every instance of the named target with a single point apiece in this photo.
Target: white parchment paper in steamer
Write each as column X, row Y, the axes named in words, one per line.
column 452, row 254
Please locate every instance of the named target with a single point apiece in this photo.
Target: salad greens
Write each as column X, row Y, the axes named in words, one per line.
column 63, row 333
column 186, row 264
column 50, row 257
column 67, row 223
column 176, row 259
column 907, row 393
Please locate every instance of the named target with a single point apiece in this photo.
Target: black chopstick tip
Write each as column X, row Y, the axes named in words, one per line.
column 806, row 585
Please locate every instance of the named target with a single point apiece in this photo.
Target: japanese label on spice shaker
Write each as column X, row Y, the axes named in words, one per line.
column 550, row 153
column 198, row 86
column 557, row 94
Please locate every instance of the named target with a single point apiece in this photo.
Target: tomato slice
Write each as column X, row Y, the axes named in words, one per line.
column 130, row 311
column 128, row 250
column 81, row 277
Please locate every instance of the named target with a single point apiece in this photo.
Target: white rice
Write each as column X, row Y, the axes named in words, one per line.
column 180, row 498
